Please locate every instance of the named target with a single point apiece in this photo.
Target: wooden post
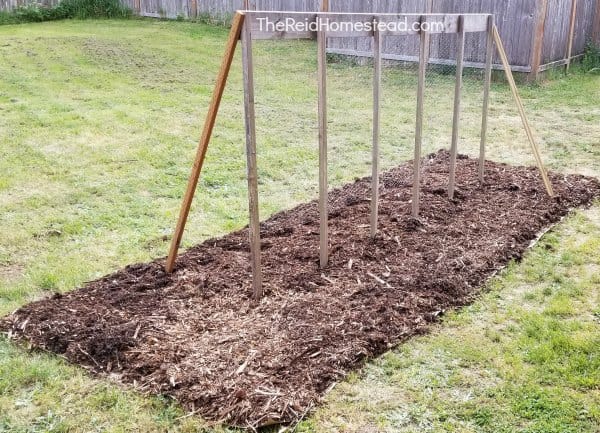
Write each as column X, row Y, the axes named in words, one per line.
column 193, row 8
column 423, row 59
column 537, row 44
column 596, row 25
column 489, row 54
column 457, row 95
column 234, row 35
column 322, row 113
column 571, row 35
column 254, row 227
column 519, row 103
column 376, row 130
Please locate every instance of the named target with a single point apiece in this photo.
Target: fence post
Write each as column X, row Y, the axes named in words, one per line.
column 596, row 27
column 538, row 39
column 571, row 34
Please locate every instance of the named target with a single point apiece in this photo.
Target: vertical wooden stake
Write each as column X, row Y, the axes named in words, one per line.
column 489, row 54
column 456, row 116
column 376, row 128
column 254, row 227
column 323, row 185
column 519, row 103
column 423, row 59
column 234, row 35
column 571, row 34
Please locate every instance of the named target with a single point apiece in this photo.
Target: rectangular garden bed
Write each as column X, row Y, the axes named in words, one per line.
column 196, row 335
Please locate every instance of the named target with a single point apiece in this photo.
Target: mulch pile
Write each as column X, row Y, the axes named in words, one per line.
column 197, row 336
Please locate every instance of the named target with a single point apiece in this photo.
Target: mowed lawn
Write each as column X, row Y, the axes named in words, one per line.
column 98, row 127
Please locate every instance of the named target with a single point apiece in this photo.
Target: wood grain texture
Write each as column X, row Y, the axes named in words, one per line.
column 376, row 132
column 250, row 117
column 456, row 112
column 521, row 109
column 323, row 183
column 489, row 50
column 211, row 116
column 538, row 39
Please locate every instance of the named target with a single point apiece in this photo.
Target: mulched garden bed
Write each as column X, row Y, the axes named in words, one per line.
column 197, row 336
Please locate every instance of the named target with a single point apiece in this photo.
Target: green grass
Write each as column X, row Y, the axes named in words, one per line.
column 99, row 122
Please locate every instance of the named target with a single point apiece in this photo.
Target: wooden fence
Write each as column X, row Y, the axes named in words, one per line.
column 538, row 34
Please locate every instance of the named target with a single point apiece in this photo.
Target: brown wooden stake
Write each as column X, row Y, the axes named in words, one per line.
column 376, row 131
column 489, row 54
column 519, row 103
column 423, row 59
column 234, row 35
column 596, row 24
column 323, row 185
column 254, row 227
column 571, row 35
column 324, row 5
column 456, row 116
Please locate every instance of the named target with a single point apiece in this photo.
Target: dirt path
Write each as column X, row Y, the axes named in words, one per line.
column 196, row 336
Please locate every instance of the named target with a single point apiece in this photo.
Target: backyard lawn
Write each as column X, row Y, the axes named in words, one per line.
column 99, row 122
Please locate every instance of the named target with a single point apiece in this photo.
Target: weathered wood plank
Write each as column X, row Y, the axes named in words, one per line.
column 377, row 46
column 323, row 184
column 456, row 116
column 489, row 53
column 250, row 116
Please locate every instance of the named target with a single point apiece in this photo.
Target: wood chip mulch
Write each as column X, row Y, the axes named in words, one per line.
column 197, row 336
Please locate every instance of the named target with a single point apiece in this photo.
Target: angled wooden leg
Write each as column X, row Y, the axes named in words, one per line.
column 519, row 103
column 234, row 35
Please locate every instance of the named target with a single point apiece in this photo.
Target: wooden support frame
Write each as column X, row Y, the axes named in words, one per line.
column 322, row 119
column 487, row 80
column 456, row 116
column 519, row 103
column 377, row 50
column 249, row 111
column 423, row 60
column 243, row 26
column 211, row 116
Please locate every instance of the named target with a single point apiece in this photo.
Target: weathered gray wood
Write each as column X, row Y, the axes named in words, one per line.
column 323, row 184
column 209, row 124
column 249, row 109
column 377, row 44
column 518, row 102
column 569, row 49
column 284, row 25
column 423, row 59
column 456, row 116
column 489, row 53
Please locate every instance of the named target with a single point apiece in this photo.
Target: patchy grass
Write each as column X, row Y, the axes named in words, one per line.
column 99, row 122
column 524, row 357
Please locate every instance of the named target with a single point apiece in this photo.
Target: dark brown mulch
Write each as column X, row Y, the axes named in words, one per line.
column 197, row 336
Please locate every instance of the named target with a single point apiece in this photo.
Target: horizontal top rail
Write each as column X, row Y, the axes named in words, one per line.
column 305, row 25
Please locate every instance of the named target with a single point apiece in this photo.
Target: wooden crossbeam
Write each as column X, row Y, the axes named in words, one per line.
column 338, row 24
column 211, row 116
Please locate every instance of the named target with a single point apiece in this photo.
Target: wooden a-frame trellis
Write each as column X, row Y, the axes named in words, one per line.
column 249, row 25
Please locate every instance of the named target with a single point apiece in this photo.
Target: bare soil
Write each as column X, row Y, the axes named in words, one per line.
column 197, row 336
